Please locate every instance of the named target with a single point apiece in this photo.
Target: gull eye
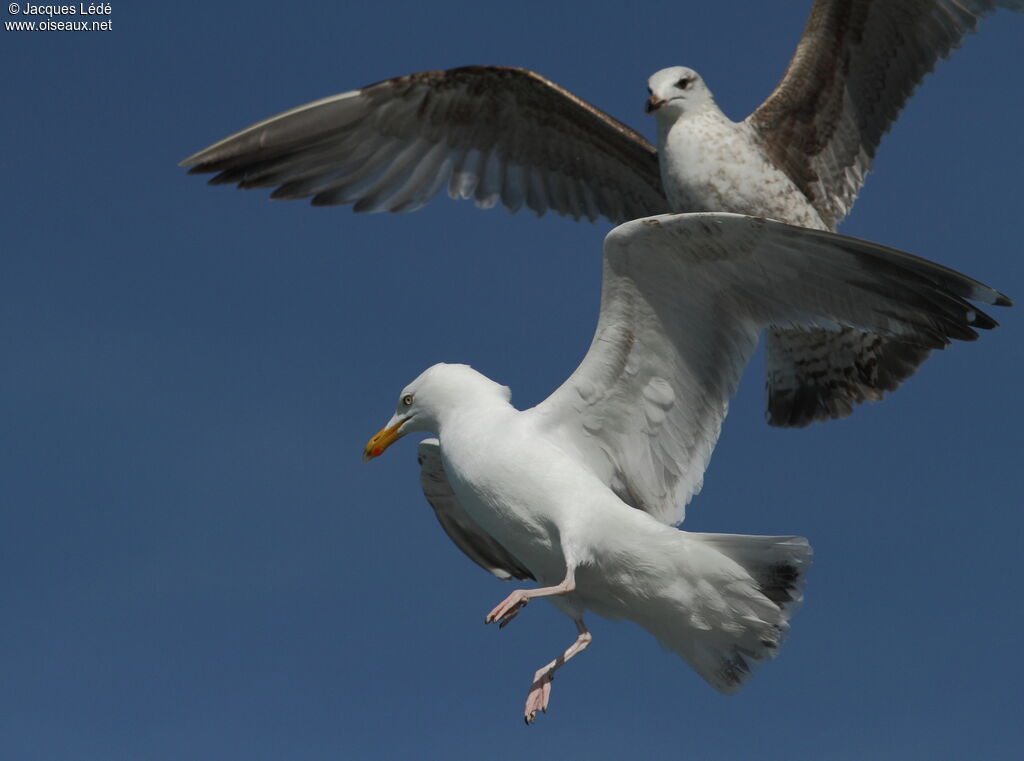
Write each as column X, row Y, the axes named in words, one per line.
column 683, row 83
column 650, row 91
column 407, row 400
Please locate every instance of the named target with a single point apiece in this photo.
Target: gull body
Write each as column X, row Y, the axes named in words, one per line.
column 583, row 491
column 720, row 602
column 545, row 506
column 708, row 162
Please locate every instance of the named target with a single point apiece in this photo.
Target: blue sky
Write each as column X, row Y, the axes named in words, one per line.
column 196, row 564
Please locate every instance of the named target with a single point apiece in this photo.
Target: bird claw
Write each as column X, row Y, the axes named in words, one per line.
column 507, row 618
column 538, row 697
column 507, row 609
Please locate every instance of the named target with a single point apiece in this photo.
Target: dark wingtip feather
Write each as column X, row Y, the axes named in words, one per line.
column 284, row 193
column 196, row 160
column 324, row 199
column 780, row 583
column 226, row 177
column 981, row 321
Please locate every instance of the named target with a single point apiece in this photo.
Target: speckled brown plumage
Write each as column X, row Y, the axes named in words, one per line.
column 496, row 134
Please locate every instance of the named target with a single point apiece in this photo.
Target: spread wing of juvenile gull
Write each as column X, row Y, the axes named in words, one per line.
column 491, row 133
column 494, row 133
column 856, row 64
column 504, row 134
column 476, row 543
column 683, row 300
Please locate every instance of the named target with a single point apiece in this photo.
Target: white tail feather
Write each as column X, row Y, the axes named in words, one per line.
column 724, row 602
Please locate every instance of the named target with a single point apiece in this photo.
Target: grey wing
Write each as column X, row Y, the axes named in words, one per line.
column 683, row 300
column 491, row 134
column 856, row 64
column 476, row 543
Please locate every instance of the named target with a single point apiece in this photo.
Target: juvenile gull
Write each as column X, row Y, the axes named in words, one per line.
column 496, row 134
column 581, row 492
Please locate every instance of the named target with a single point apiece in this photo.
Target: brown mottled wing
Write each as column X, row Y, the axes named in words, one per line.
column 491, row 134
column 476, row 543
column 855, row 66
column 818, row 375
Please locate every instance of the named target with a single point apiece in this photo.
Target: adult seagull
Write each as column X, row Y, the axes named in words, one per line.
column 495, row 134
column 582, row 491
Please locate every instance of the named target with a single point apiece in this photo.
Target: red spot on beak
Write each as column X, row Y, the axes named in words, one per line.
column 382, row 440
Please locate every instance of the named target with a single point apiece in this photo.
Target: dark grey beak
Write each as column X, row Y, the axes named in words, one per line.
column 653, row 104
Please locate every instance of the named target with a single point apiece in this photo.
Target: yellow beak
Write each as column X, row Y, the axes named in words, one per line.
column 382, row 440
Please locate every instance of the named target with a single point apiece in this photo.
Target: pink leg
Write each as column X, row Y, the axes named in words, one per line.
column 540, row 690
column 508, row 608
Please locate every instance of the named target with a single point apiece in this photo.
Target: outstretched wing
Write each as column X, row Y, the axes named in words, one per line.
column 489, row 133
column 855, row 66
column 683, row 301
column 476, row 543
column 814, row 376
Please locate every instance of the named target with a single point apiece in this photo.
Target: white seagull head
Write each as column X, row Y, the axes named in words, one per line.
column 423, row 403
column 675, row 91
